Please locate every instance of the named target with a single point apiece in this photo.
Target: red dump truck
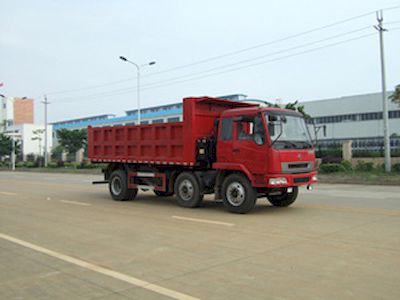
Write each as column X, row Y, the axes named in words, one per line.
column 238, row 151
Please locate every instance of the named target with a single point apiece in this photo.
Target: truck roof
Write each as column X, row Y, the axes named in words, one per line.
column 256, row 109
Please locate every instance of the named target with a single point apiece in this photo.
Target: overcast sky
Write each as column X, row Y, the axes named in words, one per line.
column 53, row 46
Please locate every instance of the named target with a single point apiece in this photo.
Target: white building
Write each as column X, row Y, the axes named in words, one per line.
column 6, row 112
column 32, row 138
column 357, row 118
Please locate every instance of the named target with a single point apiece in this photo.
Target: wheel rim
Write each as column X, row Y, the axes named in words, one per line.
column 186, row 190
column 116, row 185
column 235, row 194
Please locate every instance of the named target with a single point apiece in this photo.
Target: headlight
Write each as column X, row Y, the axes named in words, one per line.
column 276, row 181
column 314, row 178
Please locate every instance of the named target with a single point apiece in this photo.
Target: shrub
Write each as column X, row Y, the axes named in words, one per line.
column 367, row 153
column 396, row 168
column 20, row 164
column 331, row 160
column 30, row 157
column 52, row 165
column 332, row 168
column 29, row 164
column 380, row 167
column 347, row 165
column 364, row 166
column 71, row 165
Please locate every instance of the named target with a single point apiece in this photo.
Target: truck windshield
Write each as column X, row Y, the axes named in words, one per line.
column 288, row 131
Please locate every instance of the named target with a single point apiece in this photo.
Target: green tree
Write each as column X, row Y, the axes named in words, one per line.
column 6, row 145
column 395, row 97
column 300, row 108
column 72, row 140
column 56, row 152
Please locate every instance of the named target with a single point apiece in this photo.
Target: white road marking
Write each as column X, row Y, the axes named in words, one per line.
column 102, row 270
column 8, row 193
column 75, row 202
column 203, row 221
column 48, row 199
column 50, row 274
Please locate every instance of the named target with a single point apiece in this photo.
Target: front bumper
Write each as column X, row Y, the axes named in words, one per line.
column 287, row 180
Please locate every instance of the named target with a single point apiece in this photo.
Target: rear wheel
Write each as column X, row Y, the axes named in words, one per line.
column 118, row 186
column 187, row 190
column 238, row 195
column 285, row 199
column 163, row 194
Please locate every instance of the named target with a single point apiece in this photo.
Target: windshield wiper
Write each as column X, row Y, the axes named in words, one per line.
column 306, row 144
column 296, row 144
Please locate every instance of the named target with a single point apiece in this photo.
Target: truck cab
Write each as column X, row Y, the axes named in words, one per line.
column 271, row 146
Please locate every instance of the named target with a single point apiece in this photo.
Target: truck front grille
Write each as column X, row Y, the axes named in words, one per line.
column 297, row 167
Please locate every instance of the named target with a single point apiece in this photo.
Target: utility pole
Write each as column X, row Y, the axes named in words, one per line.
column 13, row 153
column 386, row 138
column 46, row 156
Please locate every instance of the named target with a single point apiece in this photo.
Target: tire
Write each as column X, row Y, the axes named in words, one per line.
column 118, row 186
column 285, row 199
column 163, row 194
column 237, row 194
column 187, row 190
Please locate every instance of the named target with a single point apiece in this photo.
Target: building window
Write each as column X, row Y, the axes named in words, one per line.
column 356, row 117
column 157, row 121
column 174, row 119
column 144, row 122
column 394, row 114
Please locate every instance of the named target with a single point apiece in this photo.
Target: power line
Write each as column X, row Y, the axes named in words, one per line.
column 157, row 85
column 270, row 42
column 223, row 55
column 268, row 54
column 264, row 62
column 127, row 90
column 237, row 63
column 264, row 44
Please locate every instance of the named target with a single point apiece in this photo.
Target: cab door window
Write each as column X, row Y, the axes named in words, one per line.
column 226, row 129
column 250, row 128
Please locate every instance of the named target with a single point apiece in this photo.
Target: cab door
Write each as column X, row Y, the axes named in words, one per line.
column 225, row 140
column 249, row 143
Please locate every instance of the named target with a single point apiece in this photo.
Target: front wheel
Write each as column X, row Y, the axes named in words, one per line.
column 285, row 199
column 238, row 194
column 118, row 186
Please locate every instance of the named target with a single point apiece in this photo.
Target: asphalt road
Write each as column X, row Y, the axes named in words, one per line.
column 63, row 238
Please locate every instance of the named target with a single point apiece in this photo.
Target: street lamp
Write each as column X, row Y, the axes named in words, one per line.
column 138, row 79
column 38, row 137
